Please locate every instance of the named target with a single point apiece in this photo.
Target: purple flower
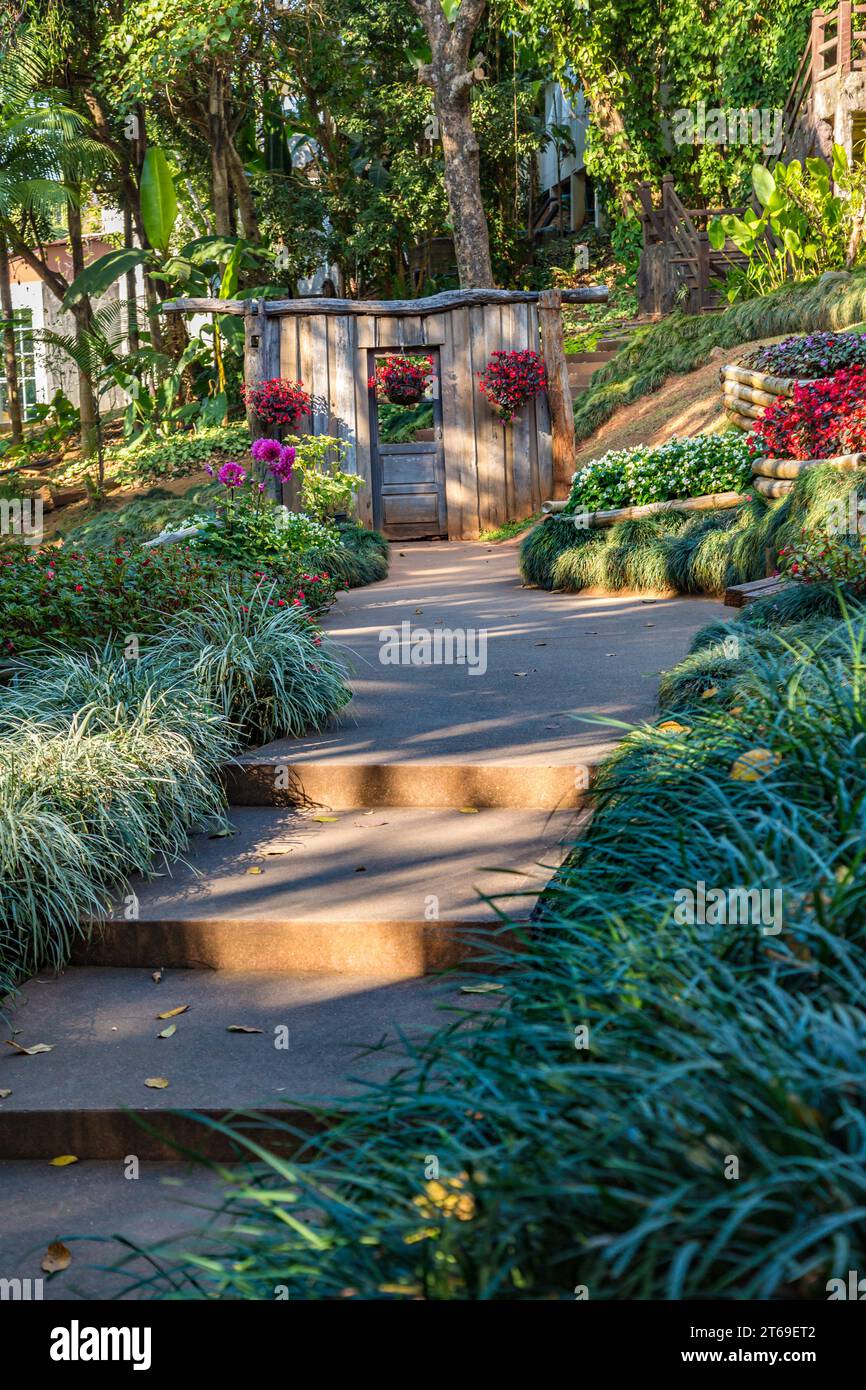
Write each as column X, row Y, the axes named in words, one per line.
column 282, row 467
column 231, row 474
column 208, row 469
column 266, row 450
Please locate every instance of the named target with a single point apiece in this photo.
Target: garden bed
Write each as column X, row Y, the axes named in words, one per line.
column 746, row 393
column 706, row 552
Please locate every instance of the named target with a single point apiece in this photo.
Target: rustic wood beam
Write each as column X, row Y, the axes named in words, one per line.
column 713, row 501
column 434, row 304
column 558, row 388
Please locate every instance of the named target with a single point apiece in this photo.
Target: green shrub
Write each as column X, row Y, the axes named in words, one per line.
column 178, row 455
column 690, row 467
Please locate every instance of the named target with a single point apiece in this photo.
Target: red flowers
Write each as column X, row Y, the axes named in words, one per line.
column 510, row 380
column 824, row 418
column 277, row 402
column 402, row 380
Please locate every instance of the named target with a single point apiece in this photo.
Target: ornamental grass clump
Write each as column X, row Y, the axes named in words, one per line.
column 663, row 1105
column 261, row 662
column 90, row 796
column 708, row 551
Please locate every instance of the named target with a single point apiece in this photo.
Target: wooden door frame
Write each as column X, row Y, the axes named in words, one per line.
column 376, row 467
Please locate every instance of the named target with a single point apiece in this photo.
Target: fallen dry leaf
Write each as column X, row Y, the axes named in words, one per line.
column 56, row 1257
column 168, row 1032
column 469, row 810
column 4, row 1094
column 324, row 820
column 222, row 834
column 242, row 1028
column 156, row 976
column 486, row 987
column 255, row 870
column 173, row 1013
column 30, row 1051
column 709, row 692
column 671, row 726
column 156, row 1083
column 756, row 763
column 63, row 1161
column 278, row 849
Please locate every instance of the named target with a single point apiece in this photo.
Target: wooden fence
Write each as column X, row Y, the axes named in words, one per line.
column 477, row 473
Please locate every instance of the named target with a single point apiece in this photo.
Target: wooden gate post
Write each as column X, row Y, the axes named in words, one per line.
column 558, row 389
column 261, row 363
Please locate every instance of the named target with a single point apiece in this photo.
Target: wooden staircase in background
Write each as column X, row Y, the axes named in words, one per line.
column 678, row 265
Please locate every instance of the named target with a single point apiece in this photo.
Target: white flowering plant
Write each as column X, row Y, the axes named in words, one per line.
column 692, row 466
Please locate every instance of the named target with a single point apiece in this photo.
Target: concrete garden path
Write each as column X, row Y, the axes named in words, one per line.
column 363, row 860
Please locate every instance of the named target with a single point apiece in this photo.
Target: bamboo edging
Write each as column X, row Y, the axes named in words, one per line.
column 761, row 381
column 713, row 501
column 746, row 394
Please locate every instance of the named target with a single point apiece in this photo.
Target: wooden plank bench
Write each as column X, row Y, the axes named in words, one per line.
column 738, row 595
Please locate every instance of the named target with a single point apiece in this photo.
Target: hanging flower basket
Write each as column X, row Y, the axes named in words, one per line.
column 277, row 402
column 510, row 380
column 402, row 380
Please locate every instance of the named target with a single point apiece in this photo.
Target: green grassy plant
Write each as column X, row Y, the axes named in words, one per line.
column 681, row 342
column 604, row 1164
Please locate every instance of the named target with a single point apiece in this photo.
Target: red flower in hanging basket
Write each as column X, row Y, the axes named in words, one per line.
column 277, row 402
column 402, row 380
column 510, row 379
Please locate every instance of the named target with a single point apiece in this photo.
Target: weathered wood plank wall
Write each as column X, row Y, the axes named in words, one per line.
column 493, row 473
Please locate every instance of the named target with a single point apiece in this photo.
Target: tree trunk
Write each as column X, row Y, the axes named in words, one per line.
column 220, row 183
column 131, row 287
column 451, row 79
column 463, row 185
column 242, row 191
column 83, row 315
column 13, row 395
column 558, row 389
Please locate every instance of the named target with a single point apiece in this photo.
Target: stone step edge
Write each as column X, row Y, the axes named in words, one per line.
column 258, row 780
column 118, row 1133
column 400, row 950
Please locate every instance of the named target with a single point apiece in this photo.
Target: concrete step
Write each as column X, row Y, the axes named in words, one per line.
column 391, row 891
column 320, row 1040
column 276, row 778
column 98, row 1210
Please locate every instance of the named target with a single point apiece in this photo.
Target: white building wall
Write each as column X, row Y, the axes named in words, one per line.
column 559, row 111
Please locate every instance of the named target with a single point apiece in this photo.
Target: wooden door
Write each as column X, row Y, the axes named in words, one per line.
column 409, row 478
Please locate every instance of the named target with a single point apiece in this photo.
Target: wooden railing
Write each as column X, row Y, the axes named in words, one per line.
column 684, row 231
column 837, row 44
